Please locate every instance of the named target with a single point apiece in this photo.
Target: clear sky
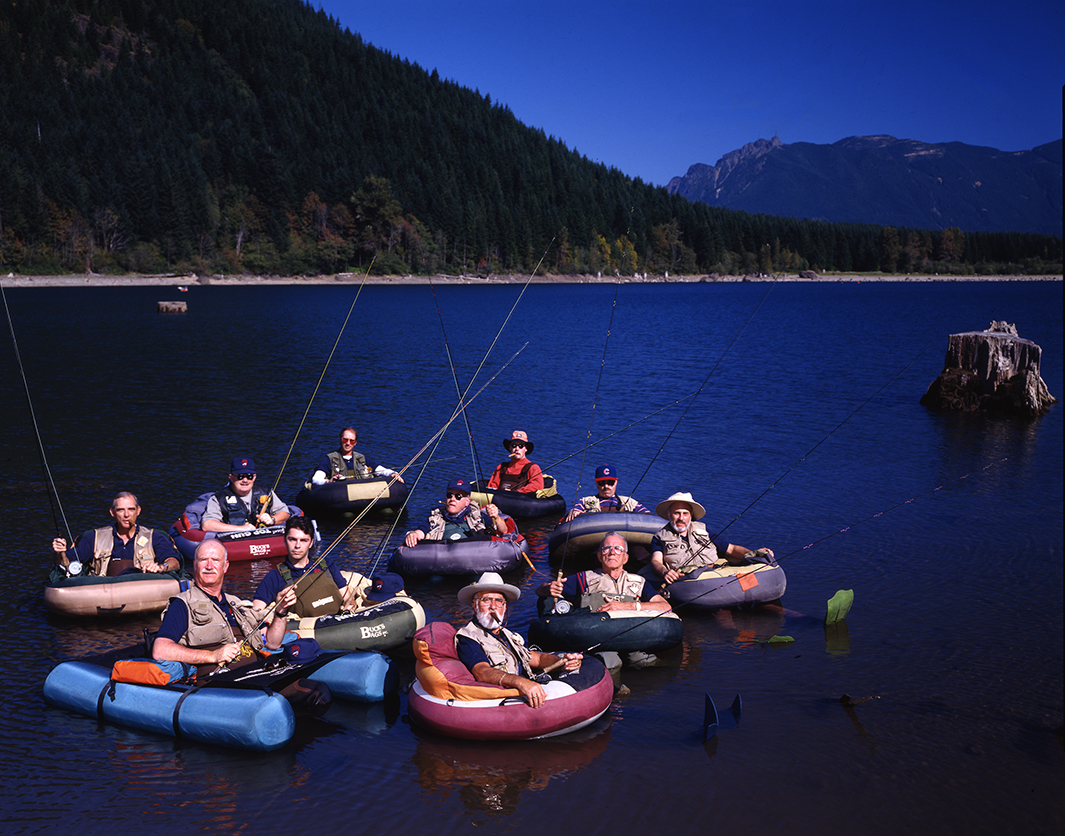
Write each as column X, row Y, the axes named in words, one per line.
column 652, row 87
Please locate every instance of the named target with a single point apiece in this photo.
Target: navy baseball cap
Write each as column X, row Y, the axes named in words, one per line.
column 460, row 485
column 605, row 472
column 242, row 464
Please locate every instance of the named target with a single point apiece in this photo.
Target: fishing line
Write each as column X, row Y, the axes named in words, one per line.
column 822, row 441
column 321, row 377
column 36, row 428
column 700, row 389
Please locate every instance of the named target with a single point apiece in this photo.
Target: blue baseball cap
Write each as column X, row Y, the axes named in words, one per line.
column 242, row 464
column 460, row 485
column 385, row 587
column 605, row 472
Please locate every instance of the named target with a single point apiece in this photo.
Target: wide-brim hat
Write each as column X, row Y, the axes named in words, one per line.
column 518, row 435
column 489, row 582
column 662, row 509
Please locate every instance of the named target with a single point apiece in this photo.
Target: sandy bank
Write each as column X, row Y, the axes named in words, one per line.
column 174, row 280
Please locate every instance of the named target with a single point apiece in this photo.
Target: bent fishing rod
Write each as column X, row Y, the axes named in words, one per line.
column 776, row 560
column 321, row 377
column 36, row 429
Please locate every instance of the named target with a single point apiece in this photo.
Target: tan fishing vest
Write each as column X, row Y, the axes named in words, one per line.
column 208, row 626
column 510, row 658
column 437, row 523
column 626, row 505
column 358, row 470
column 143, row 553
column 317, row 596
column 603, row 588
column 687, row 553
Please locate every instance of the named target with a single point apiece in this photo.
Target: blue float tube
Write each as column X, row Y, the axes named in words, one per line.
column 238, row 718
column 361, row 676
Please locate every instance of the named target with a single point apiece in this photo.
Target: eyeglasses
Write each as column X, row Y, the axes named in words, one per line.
column 453, row 495
column 494, row 603
column 609, row 549
column 246, row 476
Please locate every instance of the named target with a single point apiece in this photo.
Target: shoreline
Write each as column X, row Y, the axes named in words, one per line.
column 189, row 280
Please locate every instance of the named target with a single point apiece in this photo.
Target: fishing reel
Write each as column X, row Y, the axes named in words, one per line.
column 74, row 568
column 562, row 606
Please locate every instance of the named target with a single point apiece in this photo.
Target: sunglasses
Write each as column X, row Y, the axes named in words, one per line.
column 608, row 482
column 453, row 495
column 239, row 476
column 349, row 441
column 520, row 444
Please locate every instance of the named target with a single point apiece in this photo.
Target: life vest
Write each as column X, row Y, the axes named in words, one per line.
column 506, row 654
column 143, row 552
column 358, row 470
column 592, row 505
column 514, row 481
column 686, row 553
column 597, row 588
column 318, row 596
column 208, row 627
column 235, row 512
column 471, row 523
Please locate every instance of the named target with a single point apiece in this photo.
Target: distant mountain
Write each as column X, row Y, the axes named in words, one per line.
column 888, row 181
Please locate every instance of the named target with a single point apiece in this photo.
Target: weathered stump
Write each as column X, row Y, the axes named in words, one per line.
column 992, row 370
column 172, row 307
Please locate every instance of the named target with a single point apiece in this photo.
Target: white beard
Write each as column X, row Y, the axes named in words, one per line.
column 489, row 620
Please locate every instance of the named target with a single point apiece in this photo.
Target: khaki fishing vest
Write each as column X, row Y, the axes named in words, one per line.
column 143, row 552
column 686, row 554
column 437, row 523
column 510, row 658
column 208, row 626
column 317, row 596
column 626, row 505
column 603, row 588
column 358, row 469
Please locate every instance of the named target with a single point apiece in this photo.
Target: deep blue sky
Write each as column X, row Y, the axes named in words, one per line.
column 652, row 87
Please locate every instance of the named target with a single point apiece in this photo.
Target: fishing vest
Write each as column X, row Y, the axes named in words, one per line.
column 318, row 596
column 143, row 552
column 472, row 522
column 626, row 505
column 687, row 553
column 234, row 511
column 208, row 627
column 513, row 481
column 358, row 469
column 508, row 656
column 598, row 587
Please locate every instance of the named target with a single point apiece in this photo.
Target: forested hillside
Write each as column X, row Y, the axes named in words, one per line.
column 258, row 136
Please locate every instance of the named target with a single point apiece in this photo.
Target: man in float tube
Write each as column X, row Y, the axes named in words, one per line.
column 517, row 473
column 325, row 593
column 683, row 544
column 347, row 463
column 606, row 498
column 461, row 519
column 609, row 589
column 122, row 547
column 205, row 626
column 496, row 655
column 240, row 505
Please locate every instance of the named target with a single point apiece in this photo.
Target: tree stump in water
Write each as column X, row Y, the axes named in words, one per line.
column 992, row 370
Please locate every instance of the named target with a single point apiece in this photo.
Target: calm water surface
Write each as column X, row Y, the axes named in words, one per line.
column 806, row 436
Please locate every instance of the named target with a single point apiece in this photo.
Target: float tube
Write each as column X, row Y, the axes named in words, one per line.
column 353, row 496
column 250, row 544
column 448, row 700
column 575, row 542
column 622, row 631
column 381, row 627
column 459, row 557
column 522, row 505
column 715, row 588
column 91, row 595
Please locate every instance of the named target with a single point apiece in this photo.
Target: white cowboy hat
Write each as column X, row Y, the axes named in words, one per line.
column 489, row 582
column 662, row 509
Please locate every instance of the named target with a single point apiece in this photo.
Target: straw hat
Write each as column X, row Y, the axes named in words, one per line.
column 662, row 509
column 489, row 582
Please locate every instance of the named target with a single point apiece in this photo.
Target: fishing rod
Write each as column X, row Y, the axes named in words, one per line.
column 36, row 428
column 703, row 384
column 320, row 559
column 737, row 578
column 321, row 377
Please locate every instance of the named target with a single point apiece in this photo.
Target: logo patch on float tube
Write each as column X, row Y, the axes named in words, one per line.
column 747, row 581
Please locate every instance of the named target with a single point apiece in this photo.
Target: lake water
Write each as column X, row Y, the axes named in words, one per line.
column 805, row 435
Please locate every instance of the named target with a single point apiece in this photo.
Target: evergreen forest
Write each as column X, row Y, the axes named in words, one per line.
column 259, row 136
